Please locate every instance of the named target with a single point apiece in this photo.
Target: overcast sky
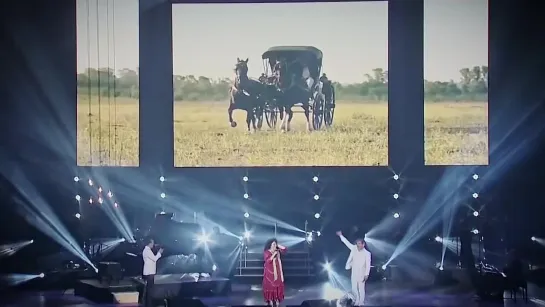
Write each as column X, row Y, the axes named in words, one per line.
column 208, row 38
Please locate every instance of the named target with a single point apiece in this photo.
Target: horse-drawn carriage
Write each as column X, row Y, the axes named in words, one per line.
column 297, row 67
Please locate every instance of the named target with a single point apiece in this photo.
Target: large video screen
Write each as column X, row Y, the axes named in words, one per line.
column 456, row 82
column 295, row 84
column 107, row 78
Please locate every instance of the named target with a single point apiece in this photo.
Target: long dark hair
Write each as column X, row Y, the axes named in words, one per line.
column 269, row 243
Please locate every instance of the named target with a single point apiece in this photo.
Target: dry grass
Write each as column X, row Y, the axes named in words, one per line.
column 456, row 133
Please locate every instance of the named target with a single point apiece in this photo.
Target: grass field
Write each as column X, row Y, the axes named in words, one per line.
column 456, row 133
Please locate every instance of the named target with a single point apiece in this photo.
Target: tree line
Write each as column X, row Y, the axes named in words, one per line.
column 472, row 86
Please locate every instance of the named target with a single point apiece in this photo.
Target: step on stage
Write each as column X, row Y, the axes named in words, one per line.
column 168, row 286
column 171, row 287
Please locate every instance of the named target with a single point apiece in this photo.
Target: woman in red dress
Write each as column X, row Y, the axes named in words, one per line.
column 273, row 275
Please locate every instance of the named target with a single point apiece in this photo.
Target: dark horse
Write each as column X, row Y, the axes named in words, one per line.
column 246, row 94
column 294, row 91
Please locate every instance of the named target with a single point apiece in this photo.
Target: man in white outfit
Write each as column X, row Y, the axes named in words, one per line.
column 360, row 263
column 150, row 268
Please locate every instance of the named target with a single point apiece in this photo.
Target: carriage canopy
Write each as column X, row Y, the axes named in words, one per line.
column 309, row 55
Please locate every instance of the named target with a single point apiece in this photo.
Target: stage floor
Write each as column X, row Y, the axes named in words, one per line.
column 379, row 293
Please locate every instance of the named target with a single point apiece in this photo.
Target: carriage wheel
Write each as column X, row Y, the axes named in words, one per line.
column 317, row 112
column 329, row 112
column 271, row 116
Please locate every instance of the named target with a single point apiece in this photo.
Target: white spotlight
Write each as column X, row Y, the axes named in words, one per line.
column 99, row 189
column 90, row 182
column 116, row 205
column 78, row 215
column 309, row 237
column 475, row 195
column 163, row 195
column 247, row 235
column 110, row 194
column 246, row 214
column 396, row 215
column 42, row 275
column 245, row 178
column 440, row 268
column 533, row 238
column 316, row 197
column 318, row 233
column 246, row 195
column 76, row 179
column 31, row 241
column 91, row 200
column 475, row 231
column 475, row 176
column 384, row 267
column 438, row 238
column 203, row 238
column 78, row 198
column 162, row 179
column 396, row 177
column 396, row 196
column 327, row 267
column 316, row 215
column 100, row 200
column 214, row 267
column 315, row 178
column 475, row 213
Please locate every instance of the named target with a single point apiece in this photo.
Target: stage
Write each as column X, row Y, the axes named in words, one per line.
column 379, row 293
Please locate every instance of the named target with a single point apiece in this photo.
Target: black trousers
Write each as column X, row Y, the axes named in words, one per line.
column 148, row 290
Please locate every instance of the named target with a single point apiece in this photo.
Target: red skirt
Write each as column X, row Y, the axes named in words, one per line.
column 273, row 290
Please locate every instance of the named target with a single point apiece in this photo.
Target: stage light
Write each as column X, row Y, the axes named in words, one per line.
column 90, row 182
column 475, row 231
column 214, row 267
column 316, row 197
column 384, row 267
column 245, row 179
column 533, row 238
column 162, row 212
column 475, row 213
column 162, row 179
column 91, row 200
column 96, row 271
column 100, row 200
column 309, row 237
column 76, row 179
column 246, row 195
column 246, row 235
column 396, row 215
column 327, row 267
column 316, row 215
column 31, row 241
column 438, row 238
column 246, row 214
column 315, row 178
column 163, row 195
column 78, row 198
column 110, row 194
column 440, row 268
column 396, row 177
column 396, row 196
column 203, row 238
column 78, row 215
column 42, row 275
column 318, row 233
column 475, row 176
column 475, row 195
column 116, row 205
